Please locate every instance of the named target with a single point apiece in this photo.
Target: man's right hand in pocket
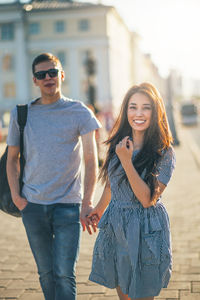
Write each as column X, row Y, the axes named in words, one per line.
column 20, row 202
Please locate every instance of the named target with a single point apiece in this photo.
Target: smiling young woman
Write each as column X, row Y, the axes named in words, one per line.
column 132, row 252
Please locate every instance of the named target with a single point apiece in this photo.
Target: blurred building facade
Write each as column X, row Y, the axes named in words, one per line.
column 144, row 68
column 74, row 32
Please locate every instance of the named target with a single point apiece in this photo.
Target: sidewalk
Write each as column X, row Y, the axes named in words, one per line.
column 18, row 278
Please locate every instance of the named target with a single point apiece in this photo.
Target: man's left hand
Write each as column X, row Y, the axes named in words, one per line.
column 86, row 222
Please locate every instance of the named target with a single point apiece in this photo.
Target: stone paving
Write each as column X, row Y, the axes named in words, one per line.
column 18, row 275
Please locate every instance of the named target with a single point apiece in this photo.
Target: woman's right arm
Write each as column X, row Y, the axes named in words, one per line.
column 103, row 202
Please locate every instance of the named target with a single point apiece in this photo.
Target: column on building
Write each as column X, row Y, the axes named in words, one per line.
column 8, row 59
column 22, row 82
column 74, row 80
column 104, row 97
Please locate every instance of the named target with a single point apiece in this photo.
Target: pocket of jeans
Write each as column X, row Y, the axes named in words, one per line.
column 151, row 248
column 25, row 208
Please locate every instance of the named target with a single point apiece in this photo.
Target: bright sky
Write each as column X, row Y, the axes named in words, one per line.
column 170, row 31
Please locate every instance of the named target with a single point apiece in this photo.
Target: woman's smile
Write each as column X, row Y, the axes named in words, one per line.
column 139, row 121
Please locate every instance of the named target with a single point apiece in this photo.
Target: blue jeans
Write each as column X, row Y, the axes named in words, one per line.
column 53, row 232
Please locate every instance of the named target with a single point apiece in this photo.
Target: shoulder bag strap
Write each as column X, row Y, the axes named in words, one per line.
column 22, row 111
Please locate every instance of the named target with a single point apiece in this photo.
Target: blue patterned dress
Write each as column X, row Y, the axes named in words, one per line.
column 133, row 247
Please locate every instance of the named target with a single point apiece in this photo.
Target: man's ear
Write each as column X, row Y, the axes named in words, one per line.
column 35, row 81
column 62, row 75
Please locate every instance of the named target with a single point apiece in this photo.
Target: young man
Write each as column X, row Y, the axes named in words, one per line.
column 51, row 194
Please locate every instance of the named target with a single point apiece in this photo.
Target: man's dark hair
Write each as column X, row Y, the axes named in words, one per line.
column 45, row 57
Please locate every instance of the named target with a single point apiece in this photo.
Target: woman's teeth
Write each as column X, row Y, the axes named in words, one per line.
column 139, row 121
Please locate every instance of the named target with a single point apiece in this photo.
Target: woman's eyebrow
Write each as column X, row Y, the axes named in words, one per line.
column 145, row 104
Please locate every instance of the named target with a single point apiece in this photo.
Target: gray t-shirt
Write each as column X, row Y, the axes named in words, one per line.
column 52, row 150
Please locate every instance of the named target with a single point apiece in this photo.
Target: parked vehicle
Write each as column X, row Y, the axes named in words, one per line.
column 189, row 114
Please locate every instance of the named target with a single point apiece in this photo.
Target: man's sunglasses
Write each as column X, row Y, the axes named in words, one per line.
column 42, row 74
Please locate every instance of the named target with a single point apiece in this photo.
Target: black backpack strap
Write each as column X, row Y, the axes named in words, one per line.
column 22, row 111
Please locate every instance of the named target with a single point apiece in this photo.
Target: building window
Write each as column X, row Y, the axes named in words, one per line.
column 83, row 25
column 8, row 62
column 59, row 26
column 62, row 57
column 9, row 90
column 7, row 32
column 34, row 28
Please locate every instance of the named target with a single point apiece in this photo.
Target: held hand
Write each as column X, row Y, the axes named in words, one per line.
column 20, row 202
column 94, row 220
column 95, row 215
column 124, row 149
column 86, row 222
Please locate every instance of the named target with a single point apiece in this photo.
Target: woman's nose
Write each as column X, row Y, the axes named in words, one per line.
column 138, row 112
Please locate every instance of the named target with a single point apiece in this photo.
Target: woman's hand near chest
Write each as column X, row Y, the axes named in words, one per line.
column 124, row 151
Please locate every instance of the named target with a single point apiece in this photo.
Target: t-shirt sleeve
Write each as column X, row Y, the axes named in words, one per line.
column 166, row 166
column 13, row 138
column 87, row 122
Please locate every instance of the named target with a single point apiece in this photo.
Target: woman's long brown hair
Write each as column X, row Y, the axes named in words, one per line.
column 157, row 137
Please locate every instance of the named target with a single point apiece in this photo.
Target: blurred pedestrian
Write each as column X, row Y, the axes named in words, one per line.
column 132, row 252
column 51, row 194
